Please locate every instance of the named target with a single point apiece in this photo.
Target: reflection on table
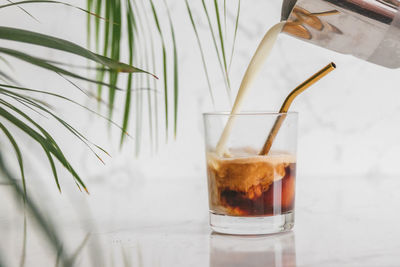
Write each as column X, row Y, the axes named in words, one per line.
column 272, row 251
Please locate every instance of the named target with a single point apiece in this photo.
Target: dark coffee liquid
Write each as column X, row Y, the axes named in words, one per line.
column 252, row 185
column 278, row 199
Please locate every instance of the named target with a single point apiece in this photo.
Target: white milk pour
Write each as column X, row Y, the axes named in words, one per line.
column 263, row 51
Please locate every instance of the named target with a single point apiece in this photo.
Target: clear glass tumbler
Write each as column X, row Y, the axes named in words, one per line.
column 250, row 193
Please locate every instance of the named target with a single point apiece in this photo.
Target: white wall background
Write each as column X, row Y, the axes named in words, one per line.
column 349, row 123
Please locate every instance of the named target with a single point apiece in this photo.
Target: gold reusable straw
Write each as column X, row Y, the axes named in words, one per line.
column 289, row 99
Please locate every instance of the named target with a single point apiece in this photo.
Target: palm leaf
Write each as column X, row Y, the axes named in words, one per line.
column 43, row 138
column 164, row 59
column 140, row 42
column 36, row 104
column 124, row 132
column 214, row 39
column 89, row 7
column 222, row 43
column 115, row 50
column 176, row 79
column 153, row 64
column 7, row 78
column 235, row 35
column 98, row 10
column 144, row 40
column 43, row 2
column 6, row 62
column 20, row 35
column 25, row 11
column 225, row 24
column 17, row 152
column 131, row 28
column 53, row 168
column 77, row 66
column 201, row 52
column 108, row 16
column 45, row 65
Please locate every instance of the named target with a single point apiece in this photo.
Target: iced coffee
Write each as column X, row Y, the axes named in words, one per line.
column 242, row 183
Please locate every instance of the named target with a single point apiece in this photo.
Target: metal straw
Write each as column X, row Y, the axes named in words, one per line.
column 289, row 99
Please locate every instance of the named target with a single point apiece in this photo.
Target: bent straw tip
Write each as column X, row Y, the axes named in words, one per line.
column 285, row 107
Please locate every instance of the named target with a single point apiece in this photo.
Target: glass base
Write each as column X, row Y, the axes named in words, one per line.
column 235, row 225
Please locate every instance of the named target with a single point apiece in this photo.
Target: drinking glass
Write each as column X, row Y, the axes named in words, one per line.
column 250, row 193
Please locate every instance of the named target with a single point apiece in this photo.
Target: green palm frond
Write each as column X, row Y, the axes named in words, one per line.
column 39, row 62
column 189, row 10
column 29, row 37
column 222, row 43
column 131, row 28
column 47, row 143
column 20, row 3
column 40, row 135
column 218, row 30
column 151, row 82
column 114, row 18
column 106, row 40
column 235, row 35
column 114, row 49
column 176, row 78
column 217, row 50
column 5, row 61
column 25, row 11
column 164, row 50
column 17, row 152
column 165, row 64
column 140, row 54
column 22, row 120
column 7, row 78
column 66, row 99
column 36, row 105
column 142, row 50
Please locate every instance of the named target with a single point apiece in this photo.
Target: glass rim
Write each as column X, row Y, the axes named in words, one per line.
column 249, row 113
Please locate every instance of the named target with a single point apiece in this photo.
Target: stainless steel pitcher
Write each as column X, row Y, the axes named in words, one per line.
column 367, row 29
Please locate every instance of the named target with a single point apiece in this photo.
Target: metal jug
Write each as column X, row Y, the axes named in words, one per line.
column 367, row 29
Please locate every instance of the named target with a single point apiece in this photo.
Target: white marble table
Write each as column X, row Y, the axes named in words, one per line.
column 339, row 222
